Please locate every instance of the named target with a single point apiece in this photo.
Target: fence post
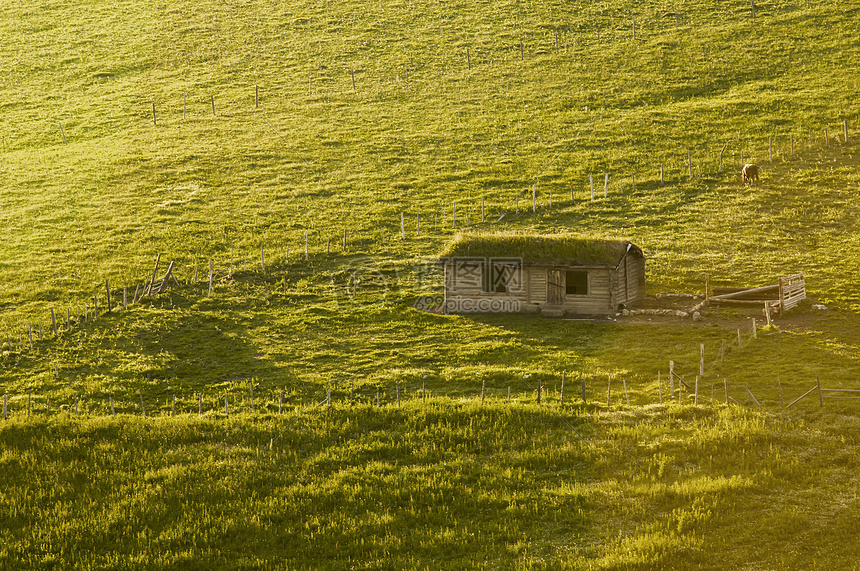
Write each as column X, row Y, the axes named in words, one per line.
column 671, row 379
column 226, row 410
column 112, row 410
column 483, row 387
column 561, row 397
column 820, row 398
column 539, row 391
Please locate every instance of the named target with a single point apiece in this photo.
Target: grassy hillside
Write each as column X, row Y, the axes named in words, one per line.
column 243, row 133
column 442, row 484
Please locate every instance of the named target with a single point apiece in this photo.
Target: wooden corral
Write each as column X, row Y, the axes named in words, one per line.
column 556, row 276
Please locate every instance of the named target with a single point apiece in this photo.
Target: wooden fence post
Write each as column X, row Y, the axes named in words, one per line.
column 200, row 404
column 483, row 387
column 534, row 198
column 605, row 184
column 561, row 397
column 701, row 359
column 54, row 322
column 142, row 406
column 539, row 391
column 107, row 293
column 820, row 397
column 402, row 227
column 583, row 389
column 281, row 400
column 696, row 394
column 845, row 129
column 210, row 277
column 671, row 379
column 226, row 408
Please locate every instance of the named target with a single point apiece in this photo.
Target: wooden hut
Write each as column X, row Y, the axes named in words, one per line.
column 556, row 276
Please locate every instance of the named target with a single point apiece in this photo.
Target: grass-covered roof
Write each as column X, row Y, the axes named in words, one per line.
column 559, row 249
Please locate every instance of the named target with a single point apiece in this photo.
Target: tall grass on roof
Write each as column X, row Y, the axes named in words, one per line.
column 564, row 249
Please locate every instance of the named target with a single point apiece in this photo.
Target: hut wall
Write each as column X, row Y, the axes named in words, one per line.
column 464, row 292
column 599, row 298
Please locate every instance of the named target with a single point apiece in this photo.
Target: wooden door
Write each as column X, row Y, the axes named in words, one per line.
column 555, row 287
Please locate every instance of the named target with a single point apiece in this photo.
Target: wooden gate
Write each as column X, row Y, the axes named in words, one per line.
column 555, row 287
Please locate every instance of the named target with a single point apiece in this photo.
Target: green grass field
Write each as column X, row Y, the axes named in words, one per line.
column 339, row 117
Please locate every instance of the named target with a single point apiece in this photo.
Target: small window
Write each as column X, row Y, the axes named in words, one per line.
column 576, row 282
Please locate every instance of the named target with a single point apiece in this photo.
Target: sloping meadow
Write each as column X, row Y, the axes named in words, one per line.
column 426, row 485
